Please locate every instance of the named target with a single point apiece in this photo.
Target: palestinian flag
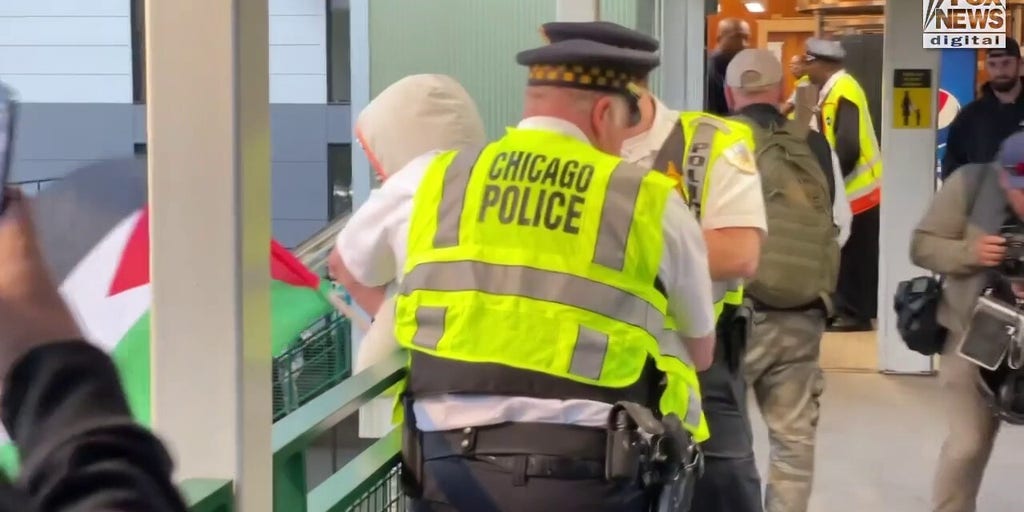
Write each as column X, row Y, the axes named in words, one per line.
column 94, row 228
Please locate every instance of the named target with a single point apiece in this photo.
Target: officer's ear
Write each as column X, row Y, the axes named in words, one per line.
column 603, row 114
column 730, row 98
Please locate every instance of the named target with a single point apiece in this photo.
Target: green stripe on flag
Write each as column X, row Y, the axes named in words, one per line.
column 293, row 309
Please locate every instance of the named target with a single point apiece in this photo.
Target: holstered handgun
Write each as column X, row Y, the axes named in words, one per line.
column 659, row 454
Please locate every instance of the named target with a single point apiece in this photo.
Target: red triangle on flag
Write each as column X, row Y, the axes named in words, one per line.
column 285, row 267
column 133, row 269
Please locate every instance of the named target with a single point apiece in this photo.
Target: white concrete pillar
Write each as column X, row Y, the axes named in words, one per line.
column 908, row 182
column 577, row 10
column 208, row 122
column 682, row 54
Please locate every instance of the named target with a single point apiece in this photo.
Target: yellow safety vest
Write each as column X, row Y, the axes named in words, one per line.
column 690, row 151
column 541, row 253
column 864, row 184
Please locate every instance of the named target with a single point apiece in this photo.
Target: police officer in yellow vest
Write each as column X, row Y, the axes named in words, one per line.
column 712, row 158
column 843, row 117
column 547, row 288
column 796, row 70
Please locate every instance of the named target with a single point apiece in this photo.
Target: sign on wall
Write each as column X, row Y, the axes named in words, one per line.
column 912, row 98
column 956, row 88
column 964, row 23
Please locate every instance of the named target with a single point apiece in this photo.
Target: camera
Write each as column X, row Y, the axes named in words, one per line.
column 1012, row 266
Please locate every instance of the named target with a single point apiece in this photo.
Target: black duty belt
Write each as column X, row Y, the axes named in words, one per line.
column 532, row 449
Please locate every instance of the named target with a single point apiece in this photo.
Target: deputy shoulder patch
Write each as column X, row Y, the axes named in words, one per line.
column 740, row 157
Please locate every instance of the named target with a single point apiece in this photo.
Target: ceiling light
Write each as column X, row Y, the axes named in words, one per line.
column 755, row 7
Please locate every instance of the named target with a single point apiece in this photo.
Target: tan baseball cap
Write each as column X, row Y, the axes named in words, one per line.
column 753, row 69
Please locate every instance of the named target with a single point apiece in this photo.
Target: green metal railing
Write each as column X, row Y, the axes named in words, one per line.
column 370, row 482
column 318, row 360
column 203, row 495
column 366, row 482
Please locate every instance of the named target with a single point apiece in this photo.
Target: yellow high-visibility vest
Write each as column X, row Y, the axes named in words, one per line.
column 864, row 184
column 541, row 253
column 689, row 153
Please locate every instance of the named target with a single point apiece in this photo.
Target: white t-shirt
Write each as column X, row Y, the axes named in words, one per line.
column 373, row 246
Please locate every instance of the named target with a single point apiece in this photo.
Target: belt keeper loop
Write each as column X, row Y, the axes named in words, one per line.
column 468, row 443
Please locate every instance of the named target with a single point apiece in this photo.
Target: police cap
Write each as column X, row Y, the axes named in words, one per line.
column 821, row 49
column 585, row 64
column 605, row 32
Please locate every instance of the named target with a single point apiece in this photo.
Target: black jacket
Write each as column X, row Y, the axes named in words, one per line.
column 81, row 450
column 714, row 95
column 976, row 132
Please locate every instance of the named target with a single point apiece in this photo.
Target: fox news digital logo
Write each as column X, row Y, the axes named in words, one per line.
column 964, row 23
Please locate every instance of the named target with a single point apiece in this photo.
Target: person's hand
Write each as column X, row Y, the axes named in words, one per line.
column 32, row 311
column 989, row 250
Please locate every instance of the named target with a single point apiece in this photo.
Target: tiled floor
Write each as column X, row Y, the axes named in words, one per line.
column 879, row 438
column 850, row 351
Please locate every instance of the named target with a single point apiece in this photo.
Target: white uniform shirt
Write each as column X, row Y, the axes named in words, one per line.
column 842, row 215
column 373, row 246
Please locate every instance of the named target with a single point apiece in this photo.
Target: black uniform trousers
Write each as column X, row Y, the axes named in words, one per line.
column 857, row 289
column 495, row 469
column 731, row 481
column 468, row 484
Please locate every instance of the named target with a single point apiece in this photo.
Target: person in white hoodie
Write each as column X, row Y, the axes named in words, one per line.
column 417, row 115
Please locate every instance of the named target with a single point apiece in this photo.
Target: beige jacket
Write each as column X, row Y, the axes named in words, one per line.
column 413, row 116
column 969, row 205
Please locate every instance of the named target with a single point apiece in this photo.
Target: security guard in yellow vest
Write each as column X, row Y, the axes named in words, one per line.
column 845, row 120
column 711, row 157
column 796, row 70
column 540, row 276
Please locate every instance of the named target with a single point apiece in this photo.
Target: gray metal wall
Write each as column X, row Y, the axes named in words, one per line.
column 56, row 138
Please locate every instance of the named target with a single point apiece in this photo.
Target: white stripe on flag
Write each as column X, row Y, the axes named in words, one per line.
column 105, row 320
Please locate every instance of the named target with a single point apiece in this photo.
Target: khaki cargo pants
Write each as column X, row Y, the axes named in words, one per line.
column 972, row 432
column 782, row 367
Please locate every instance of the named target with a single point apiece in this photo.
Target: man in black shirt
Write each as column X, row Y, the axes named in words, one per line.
column 979, row 128
column 733, row 36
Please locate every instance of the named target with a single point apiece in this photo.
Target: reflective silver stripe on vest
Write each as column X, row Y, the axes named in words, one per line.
column 546, row 285
column 693, row 409
column 453, row 196
column 588, row 354
column 613, row 233
column 698, row 162
column 429, row 326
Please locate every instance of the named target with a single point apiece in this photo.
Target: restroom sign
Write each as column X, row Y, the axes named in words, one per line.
column 964, row 23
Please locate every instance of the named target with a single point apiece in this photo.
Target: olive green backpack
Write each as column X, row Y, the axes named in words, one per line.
column 800, row 257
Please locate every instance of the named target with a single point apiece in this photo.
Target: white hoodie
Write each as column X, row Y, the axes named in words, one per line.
column 415, row 115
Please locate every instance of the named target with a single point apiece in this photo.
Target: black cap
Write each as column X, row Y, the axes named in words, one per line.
column 1010, row 49
column 585, row 64
column 600, row 31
